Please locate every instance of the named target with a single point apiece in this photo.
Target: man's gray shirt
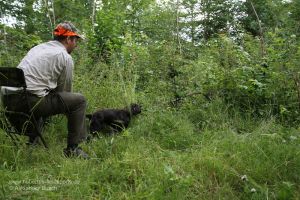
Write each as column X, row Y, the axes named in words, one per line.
column 47, row 67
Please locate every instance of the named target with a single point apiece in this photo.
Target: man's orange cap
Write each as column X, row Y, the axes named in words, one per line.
column 66, row 29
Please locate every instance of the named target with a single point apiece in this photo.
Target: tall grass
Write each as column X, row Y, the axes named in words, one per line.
column 198, row 150
column 161, row 156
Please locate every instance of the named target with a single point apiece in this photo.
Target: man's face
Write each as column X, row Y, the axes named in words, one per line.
column 71, row 44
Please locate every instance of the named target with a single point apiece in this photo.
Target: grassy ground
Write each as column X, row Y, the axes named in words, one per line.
column 198, row 151
column 163, row 155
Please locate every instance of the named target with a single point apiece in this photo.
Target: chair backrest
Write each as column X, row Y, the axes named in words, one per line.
column 12, row 77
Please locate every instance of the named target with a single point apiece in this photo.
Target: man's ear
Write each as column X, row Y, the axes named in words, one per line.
column 89, row 116
column 69, row 39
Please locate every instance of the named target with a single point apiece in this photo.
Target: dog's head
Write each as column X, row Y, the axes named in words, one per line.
column 135, row 109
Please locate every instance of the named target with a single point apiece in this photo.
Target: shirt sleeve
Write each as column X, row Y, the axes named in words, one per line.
column 64, row 82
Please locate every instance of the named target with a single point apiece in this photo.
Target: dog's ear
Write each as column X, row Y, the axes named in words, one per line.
column 89, row 116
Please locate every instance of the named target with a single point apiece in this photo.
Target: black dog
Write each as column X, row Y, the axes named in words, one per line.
column 112, row 120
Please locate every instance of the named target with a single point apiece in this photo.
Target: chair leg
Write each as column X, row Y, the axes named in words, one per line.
column 43, row 141
column 13, row 138
column 38, row 128
column 9, row 130
column 33, row 140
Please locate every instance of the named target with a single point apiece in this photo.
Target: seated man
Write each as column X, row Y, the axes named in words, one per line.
column 48, row 70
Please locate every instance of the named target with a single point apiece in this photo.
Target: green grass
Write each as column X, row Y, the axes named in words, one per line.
column 200, row 150
column 161, row 156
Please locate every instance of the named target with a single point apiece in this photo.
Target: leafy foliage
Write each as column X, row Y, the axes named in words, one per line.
column 20, row 43
column 220, row 98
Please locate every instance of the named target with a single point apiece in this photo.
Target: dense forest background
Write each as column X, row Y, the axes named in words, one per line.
column 219, row 79
column 244, row 52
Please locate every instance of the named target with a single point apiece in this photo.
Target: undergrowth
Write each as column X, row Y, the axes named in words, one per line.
column 196, row 148
column 164, row 154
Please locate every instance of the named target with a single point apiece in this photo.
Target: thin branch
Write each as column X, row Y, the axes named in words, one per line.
column 262, row 42
column 49, row 15
column 93, row 15
column 5, row 39
column 177, row 27
column 53, row 12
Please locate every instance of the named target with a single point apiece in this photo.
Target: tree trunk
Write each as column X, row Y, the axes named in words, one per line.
column 261, row 35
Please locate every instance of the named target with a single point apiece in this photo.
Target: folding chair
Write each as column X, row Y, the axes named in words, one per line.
column 12, row 122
